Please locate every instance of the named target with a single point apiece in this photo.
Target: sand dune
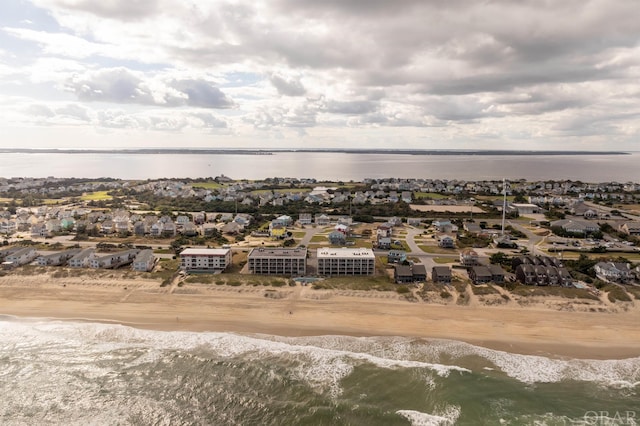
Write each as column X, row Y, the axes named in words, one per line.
column 541, row 327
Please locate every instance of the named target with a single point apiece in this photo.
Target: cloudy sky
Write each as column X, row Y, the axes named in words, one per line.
column 447, row 74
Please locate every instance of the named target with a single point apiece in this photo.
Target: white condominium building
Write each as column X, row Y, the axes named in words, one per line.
column 346, row 261
column 205, row 259
column 278, row 261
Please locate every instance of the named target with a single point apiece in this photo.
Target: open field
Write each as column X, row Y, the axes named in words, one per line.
column 452, row 209
column 96, row 196
column 207, row 185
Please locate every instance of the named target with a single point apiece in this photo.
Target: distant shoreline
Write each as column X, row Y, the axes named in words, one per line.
column 310, row 150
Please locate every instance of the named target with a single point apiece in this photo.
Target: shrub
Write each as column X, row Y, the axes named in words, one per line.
column 403, row 289
column 445, row 294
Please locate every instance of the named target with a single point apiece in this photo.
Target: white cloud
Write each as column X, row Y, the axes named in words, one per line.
column 461, row 70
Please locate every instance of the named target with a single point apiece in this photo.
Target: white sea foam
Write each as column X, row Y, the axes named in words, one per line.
column 329, row 358
column 447, row 417
column 623, row 373
column 322, row 367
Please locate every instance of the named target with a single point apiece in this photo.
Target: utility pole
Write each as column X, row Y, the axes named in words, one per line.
column 504, row 203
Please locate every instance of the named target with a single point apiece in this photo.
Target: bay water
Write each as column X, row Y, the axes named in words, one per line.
column 328, row 166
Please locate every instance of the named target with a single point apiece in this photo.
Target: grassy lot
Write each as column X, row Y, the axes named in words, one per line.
column 356, row 283
column 633, row 290
column 572, row 255
column 319, row 238
column 569, row 293
column 443, row 260
column 493, row 197
column 402, row 246
column 298, row 234
column 280, row 191
column 432, row 195
column 234, row 279
column 437, row 250
column 207, row 185
column 96, row 196
column 616, row 293
column 481, row 290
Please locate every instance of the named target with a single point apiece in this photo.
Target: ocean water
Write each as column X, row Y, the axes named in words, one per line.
column 329, row 166
column 99, row 374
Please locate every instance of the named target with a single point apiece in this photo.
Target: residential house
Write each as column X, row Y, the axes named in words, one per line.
column 445, row 226
column 305, row 219
column 277, row 231
column 139, row 228
column 383, row 243
column 337, row 238
column 113, row 260
column 526, row 274
column 414, row 221
column 524, row 209
column 384, row 230
column 231, row 228
column 56, row 259
column 283, row 220
column 445, row 241
column 579, row 227
column 322, row 220
column 630, row 228
column 81, row 259
column 189, row 229
column 243, row 219
column 468, row 257
column 403, row 274
column 395, row 221
column 479, row 274
column 39, row 230
column 497, row 273
column 21, row 257
column 144, row 261
column 472, row 228
column 613, row 271
column 8, row 226
column 53, row 225
column 419, row 272
column 441, row 274
column 396, row 256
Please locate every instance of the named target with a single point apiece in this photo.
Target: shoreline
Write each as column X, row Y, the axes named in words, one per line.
column 302, row 311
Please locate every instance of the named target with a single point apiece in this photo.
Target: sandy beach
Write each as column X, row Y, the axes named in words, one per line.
column 301, row 311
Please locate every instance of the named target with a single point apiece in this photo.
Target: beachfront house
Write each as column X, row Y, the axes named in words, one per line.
column 55, row 259
column 613, row 271
column 21, row 257
column 403, row 274
column 497, row 273
column 81, row 259
column 479, row 274
column 441, row 274
column 144, row 261
column 113, row 260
